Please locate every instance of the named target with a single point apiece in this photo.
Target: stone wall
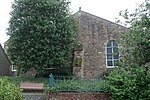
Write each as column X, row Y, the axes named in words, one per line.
column 77, row 96
column 94, row 33
column 78, row 61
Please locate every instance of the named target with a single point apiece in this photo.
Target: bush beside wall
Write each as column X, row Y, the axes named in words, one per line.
column 9, row 90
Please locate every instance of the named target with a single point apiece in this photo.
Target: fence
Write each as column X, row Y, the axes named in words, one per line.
column 70, row 84
column 64, row 83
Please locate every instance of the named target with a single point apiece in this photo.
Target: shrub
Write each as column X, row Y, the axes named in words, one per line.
column 129, row 84
column 9, row 91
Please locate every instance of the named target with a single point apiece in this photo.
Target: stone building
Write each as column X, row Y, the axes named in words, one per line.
column 97, row 47
column 4, row 63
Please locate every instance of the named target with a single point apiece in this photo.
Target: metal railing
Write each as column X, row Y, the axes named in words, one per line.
column 70, row 84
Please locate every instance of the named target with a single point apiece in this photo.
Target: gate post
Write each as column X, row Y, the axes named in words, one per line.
column 51, row 80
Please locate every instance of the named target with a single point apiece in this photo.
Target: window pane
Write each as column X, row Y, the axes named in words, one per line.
column 115, row 53
column 115, row 49
column 109, row 50
column 116, row 56
column 109, row 63
column 109, row 44
column 116, row 62
column 109, row 56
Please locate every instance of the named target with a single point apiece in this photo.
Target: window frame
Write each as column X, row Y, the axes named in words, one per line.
column 112, row 46
column 13, row 68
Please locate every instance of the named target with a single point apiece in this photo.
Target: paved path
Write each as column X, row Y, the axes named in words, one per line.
column 34, row 96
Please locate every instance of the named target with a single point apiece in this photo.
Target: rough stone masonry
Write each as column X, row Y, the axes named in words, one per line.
column 93, row 33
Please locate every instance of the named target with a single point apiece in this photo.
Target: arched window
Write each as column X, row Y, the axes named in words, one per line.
column 112, row 55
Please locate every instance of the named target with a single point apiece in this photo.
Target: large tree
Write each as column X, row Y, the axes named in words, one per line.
column 131, row 80
column 41, row 35
column 136, row 43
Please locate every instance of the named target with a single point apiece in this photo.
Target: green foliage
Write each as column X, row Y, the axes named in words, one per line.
column 68, row 84
column 18, row 79
column 77, row 62
column 9, row 91
column 136, row 42
column 41, row 35
column 131, row 81
column 76, row 86
column 78, row 47
column 129, row 84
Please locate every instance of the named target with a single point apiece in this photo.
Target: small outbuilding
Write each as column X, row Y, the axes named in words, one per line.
column 5, row 64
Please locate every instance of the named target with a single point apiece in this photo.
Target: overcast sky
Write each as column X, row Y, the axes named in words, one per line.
column 107, row 9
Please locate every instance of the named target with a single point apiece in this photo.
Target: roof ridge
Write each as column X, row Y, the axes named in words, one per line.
column 5, row 54
column 81, row 11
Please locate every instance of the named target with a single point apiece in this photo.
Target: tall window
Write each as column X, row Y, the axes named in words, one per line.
column 112, row 55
